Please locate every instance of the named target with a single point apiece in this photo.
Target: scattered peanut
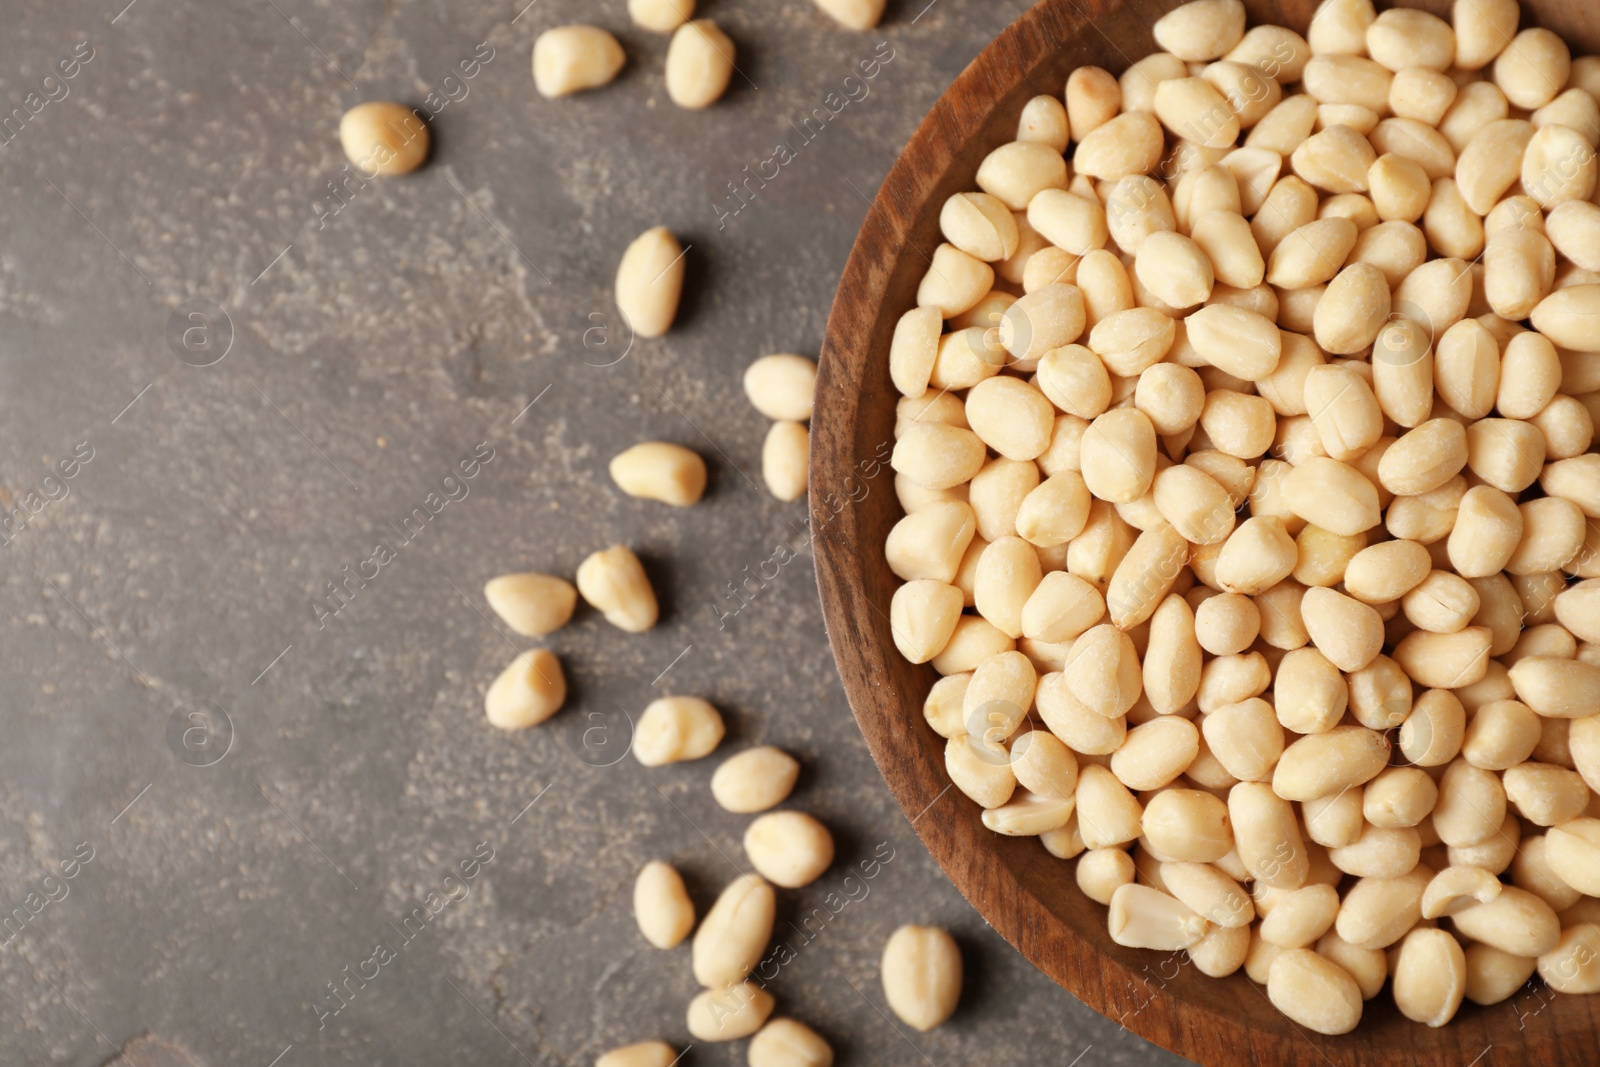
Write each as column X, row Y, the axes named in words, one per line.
column 570, row 59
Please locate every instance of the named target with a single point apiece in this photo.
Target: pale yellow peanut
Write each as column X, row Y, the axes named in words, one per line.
column 1476, row 105
column 1430, row 977
column 532, row 604
column 700, row 62
column 930, row 542
column 1386, row 571
column 1130, row 143
column 1192, row 108
column 1442, row 603
column 381, row 137
column 1145, row 574
column 854, row 14
column 1519, row 270
column 1377, row 912
column 657, row 470
column 1044, row 119
column 1466, row 368
column 789, row 848
column 1570, row 317
column 1422, row 94
column 1135, row 207
column 997, row 493
column 1141, row 916
column 1452, row 227
column 955, row 281
column 570, row 59
column 1402, row 369
column 980, row 225
column 1171, row 668
column 1431, row 736
column 1132, row 341
column 756, row 779
column 1008, row 573
column 1117, row 454
column 1545, row 794
column 1013, row 418
column 1319, row 765
column 1201, row 30
column 1245, row 738
column 979, row 769
column 613, row 582
column 1506, row 453
column 662, row 16
column 1085, row 730
column 1075, row 380
column 937, row 455
column 1577, row 480
column 922, row 616
column 1515, row 921
column 1102, row 871
column 649, row 282
column 1416, row 141
column 913, row 350
column 922, row 975
column 641, row 1054
column 1171, row 396
column 1069, row 221
column 1532, row 68
column 661, row 905
column 530, row 690
column 1353, row 309
column 1574, row 230
column 1093, row 99
column 1267, row 836
column 1558, row 688
column 1559, row 166
column 1332, row 495
column 1237, row 423
column 1445, row 661
column 1553, row 531
column 1336, row 160
column 785, row 1042
column 1380, row 694
column 1493, row 975
column 674, row 729
column 1103, row 670
column 1014, row 173
column 1155, row 753
column 1491, row 162
column 1487, row 530
column 1398, row 797
column 1312, row 253
column 729, row 1013
column 1314, row 992
column 1348, row 80
column 1175, row 269
column 734, row 933
column 784, row 460
column 1396, row 248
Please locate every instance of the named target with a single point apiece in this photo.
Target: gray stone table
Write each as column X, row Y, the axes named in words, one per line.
column 219, row 799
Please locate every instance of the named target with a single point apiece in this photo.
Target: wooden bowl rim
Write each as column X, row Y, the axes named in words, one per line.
column 1216, row 1022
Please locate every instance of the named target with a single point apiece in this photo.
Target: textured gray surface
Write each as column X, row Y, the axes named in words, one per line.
column 371, row 352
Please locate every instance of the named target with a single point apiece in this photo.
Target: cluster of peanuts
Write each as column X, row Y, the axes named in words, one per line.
column 700, row 59
column 1252, row 509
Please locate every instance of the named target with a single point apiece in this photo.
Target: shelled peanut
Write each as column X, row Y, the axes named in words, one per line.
column 1246, row 445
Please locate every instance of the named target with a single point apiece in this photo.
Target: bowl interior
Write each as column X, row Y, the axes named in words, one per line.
column 1028, row 896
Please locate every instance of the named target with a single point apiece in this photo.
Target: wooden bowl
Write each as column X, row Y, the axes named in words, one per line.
column 1029, row 896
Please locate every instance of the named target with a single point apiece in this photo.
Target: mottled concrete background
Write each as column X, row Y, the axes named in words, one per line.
column 263, row 798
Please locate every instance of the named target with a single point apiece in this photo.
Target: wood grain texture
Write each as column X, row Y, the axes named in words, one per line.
column 1027, row 895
